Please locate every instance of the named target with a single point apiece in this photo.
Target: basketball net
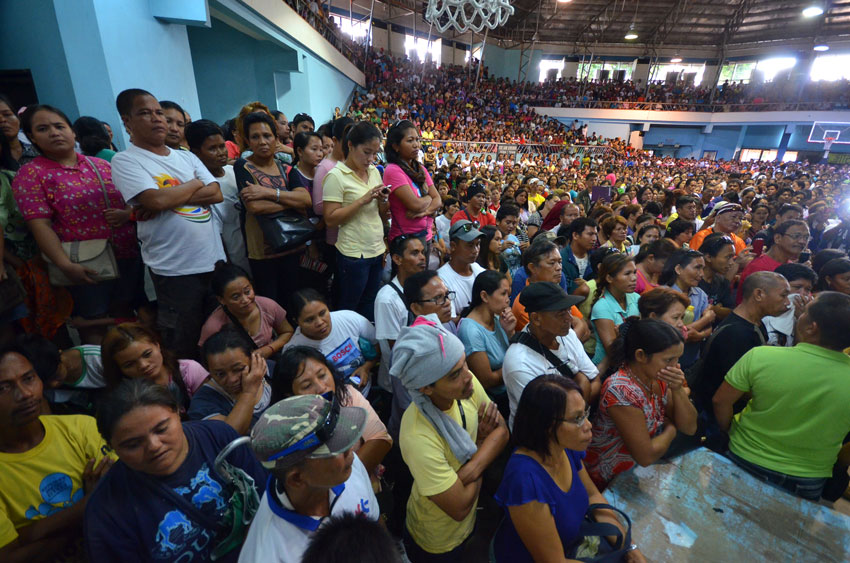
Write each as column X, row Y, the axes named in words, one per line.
column 827, row 143
column 466, row 15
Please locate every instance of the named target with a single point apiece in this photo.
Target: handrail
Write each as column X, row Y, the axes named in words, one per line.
column 713, row 107
column 333, row 35
column 520, row 149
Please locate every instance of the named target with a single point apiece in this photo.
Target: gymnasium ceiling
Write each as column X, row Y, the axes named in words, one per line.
column 579, row 25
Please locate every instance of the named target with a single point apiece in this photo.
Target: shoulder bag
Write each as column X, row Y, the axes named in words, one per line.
column 287, row 229
column 95, row 254
column 593, row 545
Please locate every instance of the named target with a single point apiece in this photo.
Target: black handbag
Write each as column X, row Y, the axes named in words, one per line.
column 593, row 545
column 285, row 230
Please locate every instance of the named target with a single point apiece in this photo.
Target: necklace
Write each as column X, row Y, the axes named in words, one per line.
column 647, row 389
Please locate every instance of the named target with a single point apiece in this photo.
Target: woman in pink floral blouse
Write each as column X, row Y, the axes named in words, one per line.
column 643, row 403
column 61, row 199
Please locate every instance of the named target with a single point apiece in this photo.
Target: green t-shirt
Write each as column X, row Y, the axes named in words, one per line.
column 798, row 414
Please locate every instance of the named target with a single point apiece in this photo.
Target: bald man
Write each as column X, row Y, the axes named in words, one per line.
column 764, row 294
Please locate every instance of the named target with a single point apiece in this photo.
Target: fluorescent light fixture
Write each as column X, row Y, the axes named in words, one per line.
column 812, row 11
column 676, row 59
column 821, row 48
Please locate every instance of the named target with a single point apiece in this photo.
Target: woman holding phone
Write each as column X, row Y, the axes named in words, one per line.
column 357, row 202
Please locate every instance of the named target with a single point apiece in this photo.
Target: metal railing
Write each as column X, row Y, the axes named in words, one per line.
column 343, row 43
column 516, row 151
column 714, row 107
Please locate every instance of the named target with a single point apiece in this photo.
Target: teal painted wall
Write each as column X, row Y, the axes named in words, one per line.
column 42, row 52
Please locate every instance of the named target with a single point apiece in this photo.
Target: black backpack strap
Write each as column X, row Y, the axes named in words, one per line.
column 410, row 316
column 527, row 339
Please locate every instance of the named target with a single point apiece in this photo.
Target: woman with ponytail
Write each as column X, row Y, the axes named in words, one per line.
column 413, row 197
column 643, row 403
column 614, row 300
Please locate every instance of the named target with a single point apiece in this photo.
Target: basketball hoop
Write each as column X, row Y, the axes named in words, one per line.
column 827, row 143
column 466, row 15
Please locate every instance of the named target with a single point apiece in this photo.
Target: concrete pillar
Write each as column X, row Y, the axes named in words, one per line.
column 570, row 70
column 739, row 144
column 709, row 76
column 641, row 71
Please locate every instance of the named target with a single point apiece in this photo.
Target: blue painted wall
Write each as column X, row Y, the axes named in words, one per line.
column 42, row 52
column 504, row 63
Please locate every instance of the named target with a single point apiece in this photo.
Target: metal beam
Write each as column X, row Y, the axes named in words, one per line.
column 603, row 16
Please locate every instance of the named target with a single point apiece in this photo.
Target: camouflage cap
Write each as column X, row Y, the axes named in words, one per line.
column 288, row 421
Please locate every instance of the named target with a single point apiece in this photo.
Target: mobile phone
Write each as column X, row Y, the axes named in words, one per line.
column 805, row 256
column 385, row 191
column 758, row 246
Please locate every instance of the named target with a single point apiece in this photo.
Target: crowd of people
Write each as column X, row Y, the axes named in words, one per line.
column 268, row 337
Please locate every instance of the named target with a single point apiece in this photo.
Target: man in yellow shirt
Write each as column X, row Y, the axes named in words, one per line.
column 450, row 434
column 48, row 466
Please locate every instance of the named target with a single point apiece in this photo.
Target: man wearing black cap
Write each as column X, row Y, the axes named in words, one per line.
column 460, row 271
column 547, row 344
column 476, row 199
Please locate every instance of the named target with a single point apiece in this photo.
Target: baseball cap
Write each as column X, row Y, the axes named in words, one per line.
column 464, row 230
column 547, row 296
column 305, row 426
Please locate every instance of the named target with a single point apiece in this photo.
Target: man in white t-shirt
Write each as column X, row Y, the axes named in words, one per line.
column 172, row 192
column 461, row 270
column 206, row 141
column 548, row 329
column 306, row 442
column 408, row 256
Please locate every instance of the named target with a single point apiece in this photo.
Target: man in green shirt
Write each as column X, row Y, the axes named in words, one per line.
column 791, row 431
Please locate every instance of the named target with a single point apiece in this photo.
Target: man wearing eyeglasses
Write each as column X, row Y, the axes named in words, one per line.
column 790, row 239
column 461, row 270
column 306, row 443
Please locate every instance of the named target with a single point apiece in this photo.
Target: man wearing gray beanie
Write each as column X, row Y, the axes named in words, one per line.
column 449, row 434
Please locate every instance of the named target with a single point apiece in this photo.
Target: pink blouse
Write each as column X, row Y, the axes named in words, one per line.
column 71, row 198
column 395, row 178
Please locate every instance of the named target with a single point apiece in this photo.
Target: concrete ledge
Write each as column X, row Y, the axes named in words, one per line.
column 290, row 23
column 694, row 117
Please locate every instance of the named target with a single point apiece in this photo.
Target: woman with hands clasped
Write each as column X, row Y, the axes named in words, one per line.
column 643, row 403
column 546, row 490
column 356, row 201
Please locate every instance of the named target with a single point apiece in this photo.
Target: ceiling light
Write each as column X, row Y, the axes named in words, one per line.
column 676, row 60
column 631, row 33
column 812, row 11
column 821, row 47
column 564, row 1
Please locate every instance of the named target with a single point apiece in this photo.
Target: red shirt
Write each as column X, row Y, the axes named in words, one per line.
column 763, row 263
column 483, row 217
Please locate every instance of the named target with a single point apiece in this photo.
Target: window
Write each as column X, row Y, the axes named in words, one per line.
column 737, row 72
column 759, row 154
column 659, row 72
column 354, row 28
column 590, row 71
column 549, row 64
column 789, row 156
column 830, row 67
column 772, row 67
column 423, row 49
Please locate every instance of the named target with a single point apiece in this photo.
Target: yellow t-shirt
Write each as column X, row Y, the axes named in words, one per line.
column 434, row 468
column 363, row 235
column 537, row 200
column 49, row 477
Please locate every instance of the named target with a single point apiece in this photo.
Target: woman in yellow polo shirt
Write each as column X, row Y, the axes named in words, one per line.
column 356, row 201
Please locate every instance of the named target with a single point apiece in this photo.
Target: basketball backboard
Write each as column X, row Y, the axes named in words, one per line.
column 839, row 132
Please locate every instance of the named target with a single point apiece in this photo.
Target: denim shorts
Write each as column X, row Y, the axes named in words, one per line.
column 806, row 487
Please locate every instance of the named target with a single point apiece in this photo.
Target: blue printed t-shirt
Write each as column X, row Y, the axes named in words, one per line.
column 608, row 308
column 699, row 301
column 125, row 521
column 526, row 481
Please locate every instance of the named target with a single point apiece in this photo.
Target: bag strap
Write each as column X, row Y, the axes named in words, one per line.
column 527, row 339
column 180, row 501
column 103, row 191
column 239, row 328
column 608, row 529
column 401, row 295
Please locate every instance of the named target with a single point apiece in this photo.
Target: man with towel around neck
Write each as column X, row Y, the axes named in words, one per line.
column 450, row 434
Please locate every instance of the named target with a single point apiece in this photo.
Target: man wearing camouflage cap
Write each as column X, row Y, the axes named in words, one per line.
column 306, row 443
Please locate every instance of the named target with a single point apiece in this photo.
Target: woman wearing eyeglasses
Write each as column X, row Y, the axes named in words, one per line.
column 181, row 507
column 303, row 370
column 546, row 489
column 643, row 402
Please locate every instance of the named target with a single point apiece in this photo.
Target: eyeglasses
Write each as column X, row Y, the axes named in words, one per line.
column 800, row 237
column 440, row 300
column 320, row 435
column 579, row 420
